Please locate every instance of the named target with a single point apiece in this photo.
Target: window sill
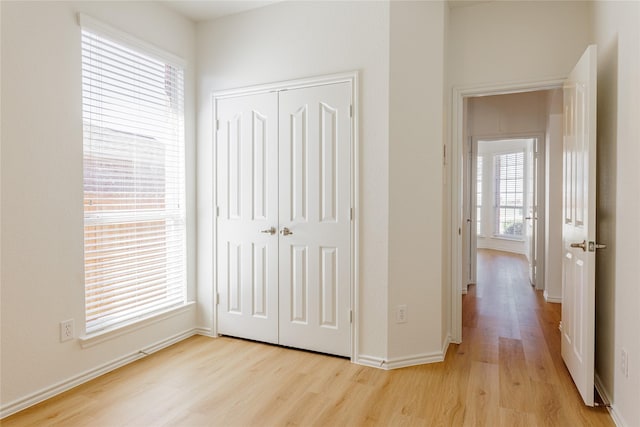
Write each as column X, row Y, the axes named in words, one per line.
column 508, row 239
column 91, row 340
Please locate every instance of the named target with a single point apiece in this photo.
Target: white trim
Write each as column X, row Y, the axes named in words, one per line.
column 606, row 397
column 405, row 361
column 416, row 359
column 205, row 332
column 348, row 77
column 98, row 27
column 617, row 417
column 552, row 299
column 355, row 223
column 602, row 391
column 216, row 211
column 371, row 361
column 90, row 340
column 459, row 93
column 62, row 386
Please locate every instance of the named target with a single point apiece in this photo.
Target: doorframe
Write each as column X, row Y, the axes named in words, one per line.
column 539, row 173
column 352, row 78
column 459, row 93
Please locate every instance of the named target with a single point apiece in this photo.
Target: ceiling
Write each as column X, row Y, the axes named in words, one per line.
column 206, row 10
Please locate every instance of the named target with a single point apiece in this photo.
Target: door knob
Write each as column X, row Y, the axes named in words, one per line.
column 582, row 245
column 271, row 231
column 285, row 231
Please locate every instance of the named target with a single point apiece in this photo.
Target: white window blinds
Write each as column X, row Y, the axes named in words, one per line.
column 509, row 194
column 134, row 197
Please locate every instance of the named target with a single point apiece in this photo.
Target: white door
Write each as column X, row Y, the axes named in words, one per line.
column 315, row 229
column 579, row 229
column 247, row 197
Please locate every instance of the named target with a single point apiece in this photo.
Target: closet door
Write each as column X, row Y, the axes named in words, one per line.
column 247, row 222
column 315, row 230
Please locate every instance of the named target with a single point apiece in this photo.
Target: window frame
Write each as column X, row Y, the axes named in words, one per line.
column 94, row 336
column 498, row 206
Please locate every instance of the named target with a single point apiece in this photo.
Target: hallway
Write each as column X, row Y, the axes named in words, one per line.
column 513, row 339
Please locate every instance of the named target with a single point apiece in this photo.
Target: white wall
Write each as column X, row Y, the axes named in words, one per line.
column 415, row 180
column 617, row 34
column 42, row 220
column 553, row 210
column 291, row 40
column 516, row 41
column 553, row 198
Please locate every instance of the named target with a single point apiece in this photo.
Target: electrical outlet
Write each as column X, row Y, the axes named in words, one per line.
column 401, row 314
column 624, row 363
column 66, row 330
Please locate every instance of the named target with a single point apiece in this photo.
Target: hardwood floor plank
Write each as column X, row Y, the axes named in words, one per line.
column 513, row 418
column 483, row 396
column 540, row 366
column 507, row 372
column 515, row 390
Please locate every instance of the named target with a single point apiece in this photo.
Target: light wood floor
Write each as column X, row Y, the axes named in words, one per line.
column 507, row 372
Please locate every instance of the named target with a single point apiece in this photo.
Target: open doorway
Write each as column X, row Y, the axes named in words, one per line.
column 512, row 167
column 505, row 201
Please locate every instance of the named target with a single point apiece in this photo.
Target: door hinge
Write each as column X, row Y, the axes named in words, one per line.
column 351, row 214
column 444, row 154
column 217, row 210
column 350, row 110
column 217, row 125
column 217, row 298
column 350, row 316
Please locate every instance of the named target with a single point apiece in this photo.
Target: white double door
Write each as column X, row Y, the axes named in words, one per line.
column 284, row 217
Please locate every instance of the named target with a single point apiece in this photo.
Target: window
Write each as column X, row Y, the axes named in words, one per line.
column 134, row 180
column 509, row 194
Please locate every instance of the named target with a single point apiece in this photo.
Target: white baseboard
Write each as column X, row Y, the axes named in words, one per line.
column 602, row 391
column 405, row 361
column 617, row 418
column 416, row 359
column 606, row 397
column 207, row 332
column 49, row 392
column 445, row 346
column 372, row 361
column 553, row 299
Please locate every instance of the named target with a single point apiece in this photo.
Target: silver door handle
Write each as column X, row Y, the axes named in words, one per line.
column 285, row 231
column 271, row 231
column 582, row 245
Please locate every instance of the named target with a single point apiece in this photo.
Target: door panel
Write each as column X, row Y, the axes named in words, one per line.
column 315, row 183
column 579, row 229
column 247, row 191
